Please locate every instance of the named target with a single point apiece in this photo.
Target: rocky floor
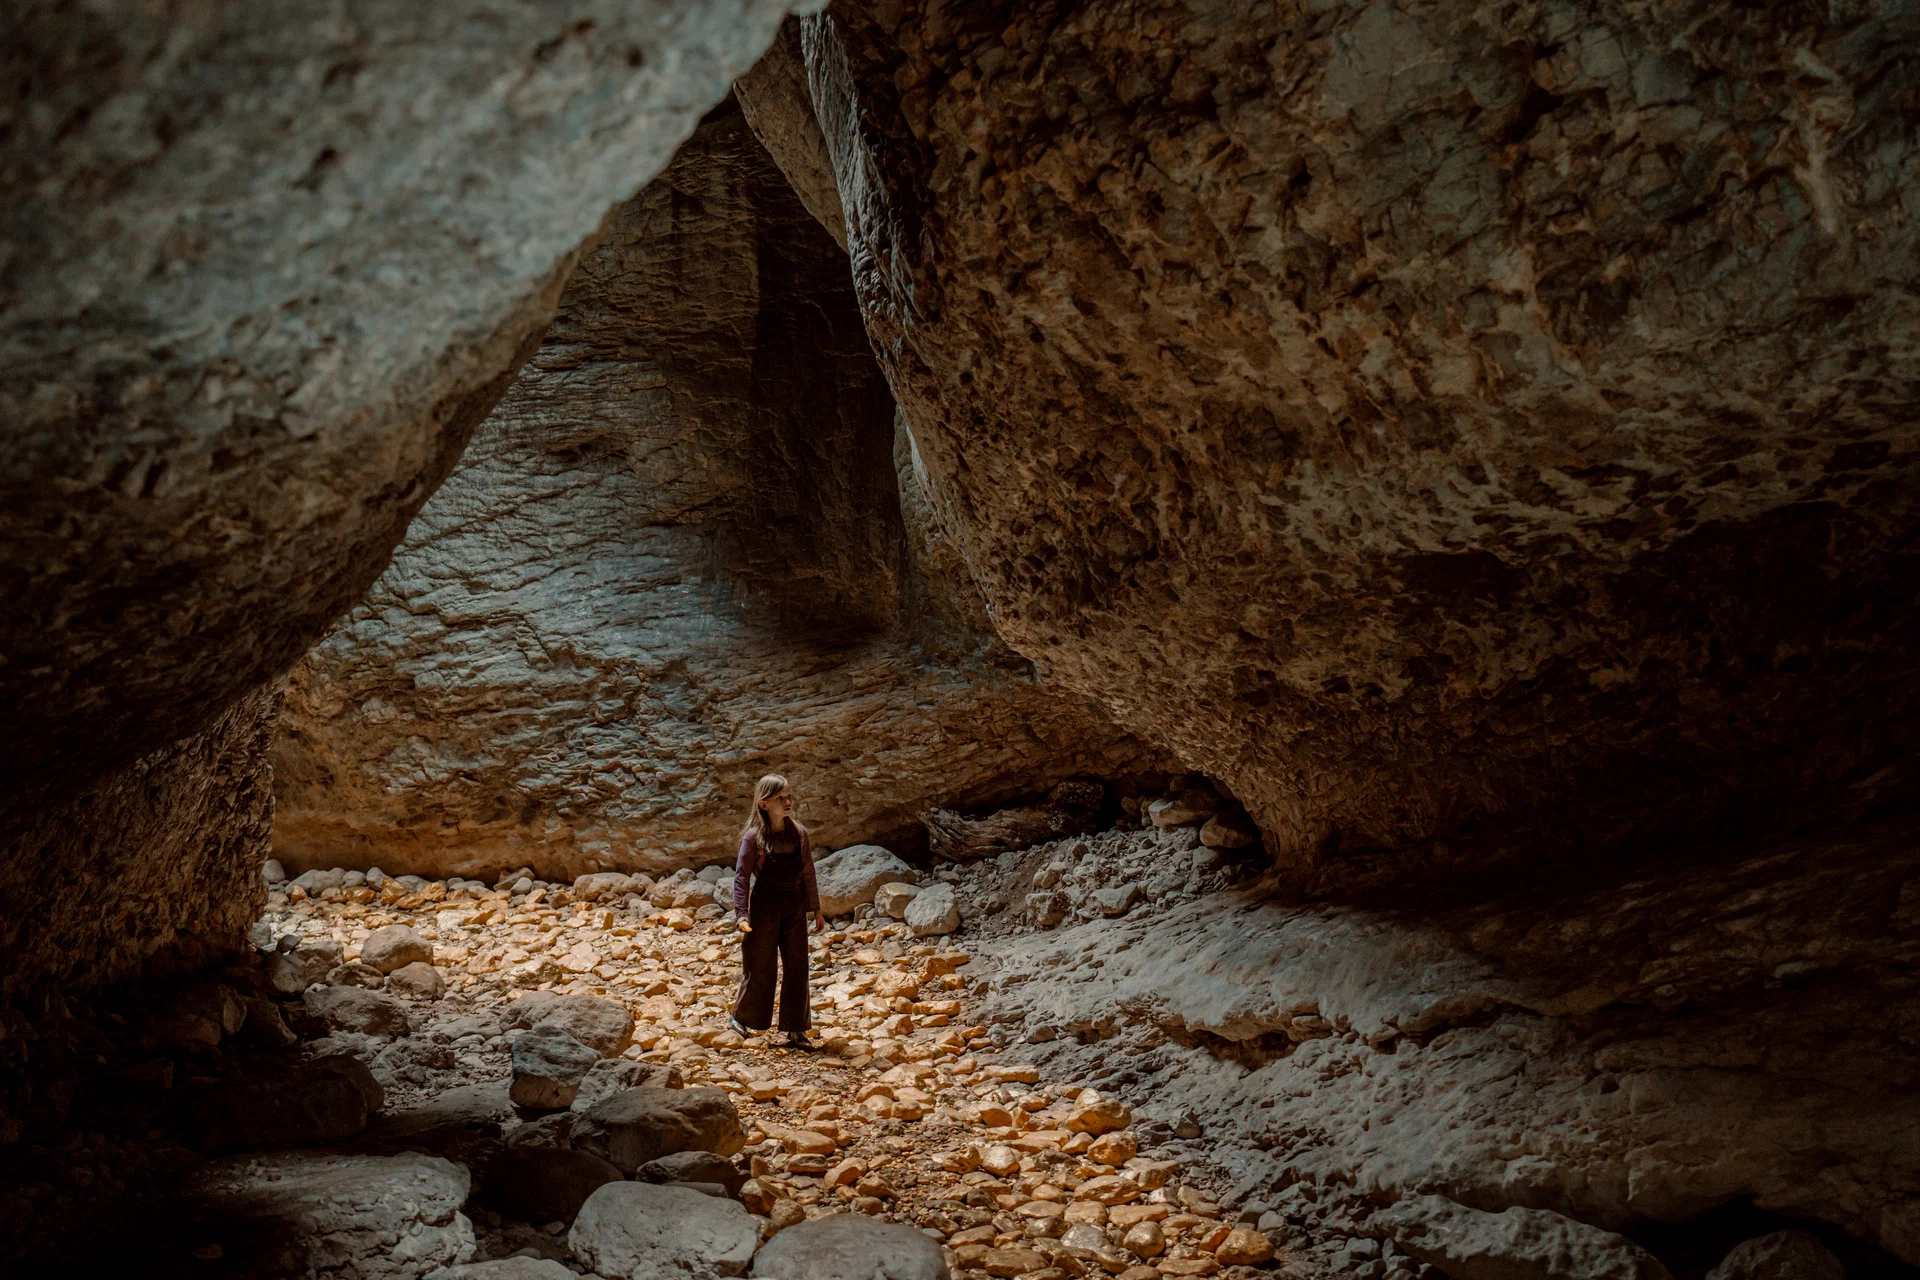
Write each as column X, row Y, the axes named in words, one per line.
column 446, row 1060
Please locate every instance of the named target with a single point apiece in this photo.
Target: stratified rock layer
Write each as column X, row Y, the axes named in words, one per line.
column 1649, row 1051
column 1471, row 432
column 679, row 555
column 262, row 269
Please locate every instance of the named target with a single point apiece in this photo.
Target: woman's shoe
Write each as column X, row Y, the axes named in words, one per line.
column 798, row 1040
column 746, row 1032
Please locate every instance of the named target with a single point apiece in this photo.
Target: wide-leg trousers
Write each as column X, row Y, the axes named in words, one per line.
column 779, row 920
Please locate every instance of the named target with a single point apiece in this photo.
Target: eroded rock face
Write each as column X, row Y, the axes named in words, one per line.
column 265, row 269
column 1471, row 433
column 674, row 559
column 1645, row 1052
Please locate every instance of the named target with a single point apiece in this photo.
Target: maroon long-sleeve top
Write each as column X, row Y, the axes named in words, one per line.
column 746, row 868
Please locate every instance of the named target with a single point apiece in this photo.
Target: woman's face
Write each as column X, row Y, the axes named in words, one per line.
column 780, row 804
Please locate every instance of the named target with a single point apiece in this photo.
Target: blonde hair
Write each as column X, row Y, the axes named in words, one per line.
column 765, row 789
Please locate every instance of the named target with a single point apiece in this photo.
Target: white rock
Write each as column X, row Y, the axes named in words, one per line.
column 272, row 872
column 851, row 876
column 641, row 1231
column 1116, row 901
column 933, row 911
column 391, row 946
column 891, row 899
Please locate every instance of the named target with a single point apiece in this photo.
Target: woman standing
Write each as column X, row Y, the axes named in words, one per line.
column 773, row 894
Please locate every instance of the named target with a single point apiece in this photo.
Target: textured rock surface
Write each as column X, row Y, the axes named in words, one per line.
column 850, row 1244
column 1471, row 432
column 1783, row 1255
column 264, row 269
column 1645, row 1052
column 154, row 868
column 851, row 876
column 1516, row 1244
column 639, row 1125
column 675, row 558
column 371, row 1217
column 638, row 1231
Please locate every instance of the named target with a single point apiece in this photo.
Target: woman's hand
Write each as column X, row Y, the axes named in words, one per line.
column 746, row 926
column 819, row 921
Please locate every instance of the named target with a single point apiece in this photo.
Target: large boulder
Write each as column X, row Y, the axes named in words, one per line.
column 394, row 946
column 548, row 1066
column 727, row 469
column 1519, row 1244
column 292, row 971
column 636, row 1126
column 369, row 1217
column 843, row 1245
column 326, row 1100
column 1781, row 1255
column 605, row 1026
column 357, row 1010
column 615, row 1075
column 233, row 371
column 1448, row 449
column 542, row 1184
column 850, row 877
column 639, row 1231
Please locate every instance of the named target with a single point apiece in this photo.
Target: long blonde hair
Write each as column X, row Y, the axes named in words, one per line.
column 765, row 789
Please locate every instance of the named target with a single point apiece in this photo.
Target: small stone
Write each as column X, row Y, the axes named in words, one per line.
column 417, row 981
column 295, row 969
column 1109, row 1190
column 1188, row 809
column 1147, row 1240
column 391, row 946
column 787, row 1213
column 1244, row 1247
column 691, row 1167
column 356, row 974
column 272, row 872
column 1114, row 1149
column 1100, row 1116
column 1116, row 901
column 1012, row 1262
column 548, row 1066
column 1000, row 1160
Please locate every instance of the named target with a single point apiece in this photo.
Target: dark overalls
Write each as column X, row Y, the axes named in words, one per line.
column 777, row 910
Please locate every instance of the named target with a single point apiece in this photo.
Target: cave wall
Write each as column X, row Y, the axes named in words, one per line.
column 1481, row 435
column 262, row 269
column 687, row 548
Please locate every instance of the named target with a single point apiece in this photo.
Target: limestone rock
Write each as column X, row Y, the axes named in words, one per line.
column 515, row 1268
column 850, row 1244
column 358, row 1010
column 639, row 1231
column 1702, row 1010
column 851, row 876
column 291, row 972
column 544, row 1184
column 548, row 1066
column 417, row 981
column 725, row 469
column 893, row 897
column 356, row 975
column 229, row 386
column 609, row 884
column 1116, row 900
column 325, row 1100
column 693, row 1166
column 378, row 1217
column 605, row 1026
column 1783, row 1255
column 636, row 1126
column 1519, row 1244
column 391, row 946
column 1313, row 463
column 613, row 1075
column 1047, row 909
column 933, row 911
